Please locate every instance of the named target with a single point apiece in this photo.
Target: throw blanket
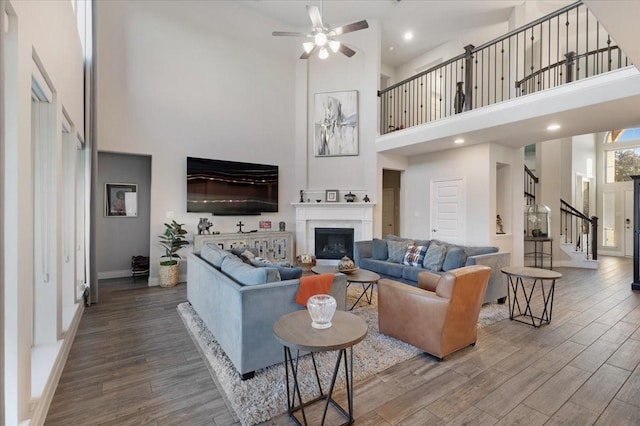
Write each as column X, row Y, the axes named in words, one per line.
column 312, row 285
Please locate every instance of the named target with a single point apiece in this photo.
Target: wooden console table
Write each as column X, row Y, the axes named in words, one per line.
column 271, row 245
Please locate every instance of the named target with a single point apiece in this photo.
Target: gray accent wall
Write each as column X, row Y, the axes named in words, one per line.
column 119, row 238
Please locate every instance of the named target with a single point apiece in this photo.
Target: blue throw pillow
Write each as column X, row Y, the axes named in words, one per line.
column 289, row 273
column 475, row 251
column 455, row 258
column 435, row 257
column 380, row 251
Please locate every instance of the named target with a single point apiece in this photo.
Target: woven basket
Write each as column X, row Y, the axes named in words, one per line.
column 169, row 275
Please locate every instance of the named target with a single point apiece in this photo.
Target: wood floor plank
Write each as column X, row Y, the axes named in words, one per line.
column 590, row 333
column 560, row 356
column 449, row 406
column 595, row 355
column 631, row 389
column 600, row 389
column 523, row 415
column 511, row 393
column 572, row 414
column 411, row 402
column 619, row 413
column 473, row 416
column 549, row 397
column 627, row 356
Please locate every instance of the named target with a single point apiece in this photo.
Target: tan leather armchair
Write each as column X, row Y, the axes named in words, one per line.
column 440, row 316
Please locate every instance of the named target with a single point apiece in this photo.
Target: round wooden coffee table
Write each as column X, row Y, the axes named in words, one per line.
column 366, row 278
column 294, row 331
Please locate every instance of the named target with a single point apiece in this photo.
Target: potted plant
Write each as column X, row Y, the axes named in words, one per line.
column 172, row 240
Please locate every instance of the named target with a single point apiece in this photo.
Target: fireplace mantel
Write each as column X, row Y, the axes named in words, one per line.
column 309, row 216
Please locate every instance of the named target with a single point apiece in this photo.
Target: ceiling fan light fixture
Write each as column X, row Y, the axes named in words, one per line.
column 323, row 54
column 308, row 46
column 334, row 45
column 320, row 39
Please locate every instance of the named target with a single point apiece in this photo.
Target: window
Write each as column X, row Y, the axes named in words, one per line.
column 622, row 155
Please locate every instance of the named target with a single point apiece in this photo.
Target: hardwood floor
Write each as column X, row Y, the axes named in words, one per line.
column 133, row 362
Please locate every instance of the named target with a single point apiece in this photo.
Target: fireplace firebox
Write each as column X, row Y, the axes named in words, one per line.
column 333, row 243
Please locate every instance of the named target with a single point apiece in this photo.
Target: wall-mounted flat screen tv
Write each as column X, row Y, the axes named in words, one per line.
column 230, row 187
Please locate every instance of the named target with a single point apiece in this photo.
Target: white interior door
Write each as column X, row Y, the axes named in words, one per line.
column 448, row 210
column 388, row 209
column 628, row 222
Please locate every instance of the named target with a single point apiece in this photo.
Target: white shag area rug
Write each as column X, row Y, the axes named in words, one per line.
column 264, row 396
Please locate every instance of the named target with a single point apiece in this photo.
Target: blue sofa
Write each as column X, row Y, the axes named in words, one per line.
column 239, row 303
column 388, row 258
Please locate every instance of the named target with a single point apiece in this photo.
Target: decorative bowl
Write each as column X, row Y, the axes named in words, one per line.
column 346, row 264
column 347, row 271
column 321, row 308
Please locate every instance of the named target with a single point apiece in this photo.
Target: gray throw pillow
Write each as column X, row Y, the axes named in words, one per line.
column 435, row 257
column 380, row 251
column 455, row 258
column 397, row 250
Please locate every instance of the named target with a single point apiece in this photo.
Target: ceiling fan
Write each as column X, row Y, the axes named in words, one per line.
column 323, row 36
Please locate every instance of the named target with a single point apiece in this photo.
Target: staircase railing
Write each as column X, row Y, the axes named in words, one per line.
column 564, row 46
column 576, row 227
column 530, row 181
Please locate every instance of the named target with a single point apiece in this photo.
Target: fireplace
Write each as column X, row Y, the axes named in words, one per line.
column 333, row 243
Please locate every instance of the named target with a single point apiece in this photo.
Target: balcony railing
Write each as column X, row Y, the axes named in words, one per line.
column 567, row 45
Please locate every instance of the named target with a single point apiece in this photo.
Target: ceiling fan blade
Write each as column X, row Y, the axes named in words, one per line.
column 360, row 25
column 306, row 55
column 314, row 14
column 289, row 34
column 346, row 50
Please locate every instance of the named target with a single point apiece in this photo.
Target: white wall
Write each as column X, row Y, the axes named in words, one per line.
column 203, row 79
column 474, row 164
column 46, row 29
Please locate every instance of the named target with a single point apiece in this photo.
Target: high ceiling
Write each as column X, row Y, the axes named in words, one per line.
column 432, row 22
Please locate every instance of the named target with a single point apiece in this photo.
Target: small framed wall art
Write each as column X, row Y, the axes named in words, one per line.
column 331, row 196
column 120, row 200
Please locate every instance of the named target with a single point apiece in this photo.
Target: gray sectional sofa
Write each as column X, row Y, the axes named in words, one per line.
column 389, row 258
column 239, row 303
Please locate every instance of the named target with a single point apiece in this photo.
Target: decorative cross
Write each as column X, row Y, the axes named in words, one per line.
column 240, row 225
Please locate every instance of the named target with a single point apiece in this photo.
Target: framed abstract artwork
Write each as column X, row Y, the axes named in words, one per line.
column 336, row 124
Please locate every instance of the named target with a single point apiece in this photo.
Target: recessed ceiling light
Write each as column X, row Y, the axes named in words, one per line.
column 458, row 141
column 391, row 47
column 553, row 127
column 408, row 35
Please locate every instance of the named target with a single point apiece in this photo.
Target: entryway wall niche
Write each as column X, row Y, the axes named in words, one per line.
column 118, row 238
